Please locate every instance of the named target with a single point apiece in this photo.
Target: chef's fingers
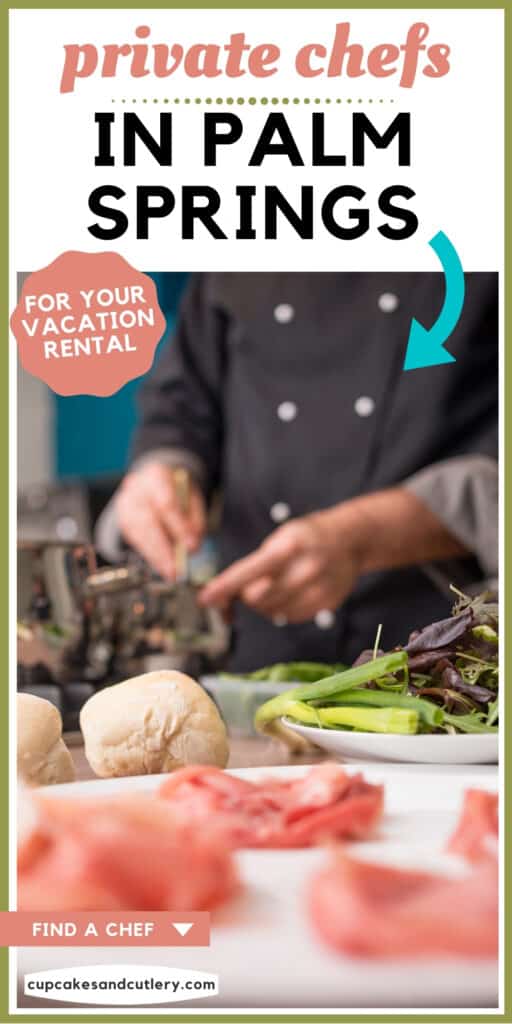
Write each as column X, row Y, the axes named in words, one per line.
column 144, row 532
column 266, row 561
column 151, row 486
column 160, row 488
column 305, row 607
column 255, row 593
column 284, row 588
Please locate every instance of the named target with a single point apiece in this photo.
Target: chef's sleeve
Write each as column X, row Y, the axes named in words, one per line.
column 463, row 493
column 181, row 400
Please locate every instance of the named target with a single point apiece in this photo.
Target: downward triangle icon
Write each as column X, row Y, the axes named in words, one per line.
column 182, row 928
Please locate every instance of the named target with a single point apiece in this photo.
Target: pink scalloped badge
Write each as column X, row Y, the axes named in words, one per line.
column 87, row 324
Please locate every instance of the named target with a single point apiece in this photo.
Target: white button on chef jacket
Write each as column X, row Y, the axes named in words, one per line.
column 287, row 411
column 388, row 302
column 364, row 405
column 325, row 619
column 284, row 313
column 280, row 511
column 66, row 528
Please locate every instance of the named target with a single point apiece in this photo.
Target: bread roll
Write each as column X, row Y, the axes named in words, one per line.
column 43, row 758
column 152, row 723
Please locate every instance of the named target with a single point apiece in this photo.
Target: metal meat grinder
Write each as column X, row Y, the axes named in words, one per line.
column 81, row 627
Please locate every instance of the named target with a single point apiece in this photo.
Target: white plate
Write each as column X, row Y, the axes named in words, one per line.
column 262, row 947
column 481, row 748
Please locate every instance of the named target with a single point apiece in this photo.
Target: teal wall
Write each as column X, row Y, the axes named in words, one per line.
column 92, row 436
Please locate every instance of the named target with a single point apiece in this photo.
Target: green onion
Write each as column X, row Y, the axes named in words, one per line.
column 427, row 711
column 267, row 718
column 384, row 720
column 288, row 672
column 387, row 664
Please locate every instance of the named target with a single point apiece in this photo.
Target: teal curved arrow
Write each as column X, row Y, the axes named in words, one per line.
column 425, row 347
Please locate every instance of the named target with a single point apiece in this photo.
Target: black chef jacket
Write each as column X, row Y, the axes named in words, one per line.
column 287, row 393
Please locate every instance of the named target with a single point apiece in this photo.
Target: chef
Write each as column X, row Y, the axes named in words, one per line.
column 352, row 492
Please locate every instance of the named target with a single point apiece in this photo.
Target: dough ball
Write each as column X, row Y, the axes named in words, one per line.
column 43, row 757
column 152, row 723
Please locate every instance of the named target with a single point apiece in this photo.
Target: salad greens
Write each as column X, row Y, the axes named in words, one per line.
column 445, row 679
column 288, row 672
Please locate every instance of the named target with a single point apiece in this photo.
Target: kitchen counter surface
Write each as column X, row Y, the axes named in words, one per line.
column 252, row 752
column 246, row 752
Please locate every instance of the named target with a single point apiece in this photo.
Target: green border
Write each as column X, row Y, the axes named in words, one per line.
column 5, row 1017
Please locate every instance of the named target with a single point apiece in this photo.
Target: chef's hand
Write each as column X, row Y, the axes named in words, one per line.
column 301, row 568
column 314, row 562
column 150, row 517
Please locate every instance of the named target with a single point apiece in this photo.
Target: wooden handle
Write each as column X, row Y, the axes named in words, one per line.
column 182, row 485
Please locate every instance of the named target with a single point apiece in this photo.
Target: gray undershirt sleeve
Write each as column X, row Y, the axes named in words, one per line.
column 463, row 493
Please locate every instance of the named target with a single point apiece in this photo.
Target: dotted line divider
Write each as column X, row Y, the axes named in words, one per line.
column 251, row 100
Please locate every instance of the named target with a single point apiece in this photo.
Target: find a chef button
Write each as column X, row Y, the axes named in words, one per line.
column 287, row 411
column 280, row 511
column 284, row 313
column 388, row 302
column 324, row 619
column 364, row 406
